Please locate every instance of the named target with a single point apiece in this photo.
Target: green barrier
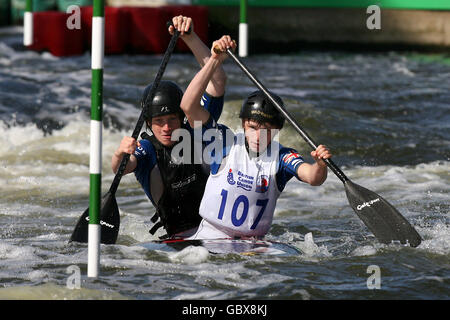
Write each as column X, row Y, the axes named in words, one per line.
column 64, row 4
column 5, row 7
column 384, row 4
column 18, row 8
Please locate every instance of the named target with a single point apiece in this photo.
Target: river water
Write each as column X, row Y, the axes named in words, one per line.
column 386, row 117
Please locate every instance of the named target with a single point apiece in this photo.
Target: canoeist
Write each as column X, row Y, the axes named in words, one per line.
column 174, row 188
column 249, row 170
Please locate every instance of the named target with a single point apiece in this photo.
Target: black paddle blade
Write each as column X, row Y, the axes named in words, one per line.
column 109, row 222
column 382, row 219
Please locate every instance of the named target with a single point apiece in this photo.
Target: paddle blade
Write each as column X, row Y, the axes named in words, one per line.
column 109, row 222
column 382, row 219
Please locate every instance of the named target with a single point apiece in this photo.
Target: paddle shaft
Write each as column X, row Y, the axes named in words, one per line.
column 338, row 172
column 140, row 122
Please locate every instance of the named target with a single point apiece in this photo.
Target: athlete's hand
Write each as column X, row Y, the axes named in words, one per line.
column 219, row 47
column 320, row 153
column 182, row 24
column 127, row 145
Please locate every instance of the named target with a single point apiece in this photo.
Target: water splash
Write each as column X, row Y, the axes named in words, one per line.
column 190, row 255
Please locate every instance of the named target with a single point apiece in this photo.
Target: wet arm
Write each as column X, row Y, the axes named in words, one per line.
column 127, row 146
column 191, row 98
column 315, row 174
column 216, row 85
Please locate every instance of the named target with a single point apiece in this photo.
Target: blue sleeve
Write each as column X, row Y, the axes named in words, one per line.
column 146, row 160
column 217, row 142
column 288, row 163
column 214, row 105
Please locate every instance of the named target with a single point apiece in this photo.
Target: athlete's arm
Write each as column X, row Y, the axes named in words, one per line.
column 127, row 145
column 214, row 105
column 190, row 103
column 216, row 86
column 315, row 174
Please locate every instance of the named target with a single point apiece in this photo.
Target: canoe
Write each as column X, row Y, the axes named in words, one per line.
column 227, row 246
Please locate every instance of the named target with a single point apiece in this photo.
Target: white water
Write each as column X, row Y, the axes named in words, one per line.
column 380, row 120
column 44, row 187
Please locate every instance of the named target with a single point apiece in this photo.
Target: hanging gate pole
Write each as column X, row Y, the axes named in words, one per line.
column 28, row 24
column 95, row 165
column 243, row 29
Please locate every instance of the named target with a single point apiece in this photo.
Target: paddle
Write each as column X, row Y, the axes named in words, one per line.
column 109, row 215
column 380, row 217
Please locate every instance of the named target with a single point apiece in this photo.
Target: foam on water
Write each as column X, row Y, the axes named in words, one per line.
column 238, row 276
column 190, row 255
column 310, row 249
column 14, row 253
column 436, row 238
column 305, row 243
column 136, row 226
column 54, row 165
column 364, row 251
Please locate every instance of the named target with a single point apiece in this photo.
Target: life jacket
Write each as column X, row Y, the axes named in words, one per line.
column 184, row 185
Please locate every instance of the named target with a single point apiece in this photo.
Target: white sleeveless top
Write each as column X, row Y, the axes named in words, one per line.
column 240, row 199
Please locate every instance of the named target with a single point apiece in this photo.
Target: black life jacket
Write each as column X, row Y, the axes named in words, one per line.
column 184, row 185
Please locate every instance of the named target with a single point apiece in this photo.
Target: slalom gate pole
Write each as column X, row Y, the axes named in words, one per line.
column 243, row 30
column 95, row 164
column 28, row 23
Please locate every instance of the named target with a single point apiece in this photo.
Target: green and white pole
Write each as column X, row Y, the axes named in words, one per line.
column 95, row 165
column 243, row 30
column 28, row 23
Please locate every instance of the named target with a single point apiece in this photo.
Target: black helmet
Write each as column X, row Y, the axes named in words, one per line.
column 257, row 107
column 166, row 100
